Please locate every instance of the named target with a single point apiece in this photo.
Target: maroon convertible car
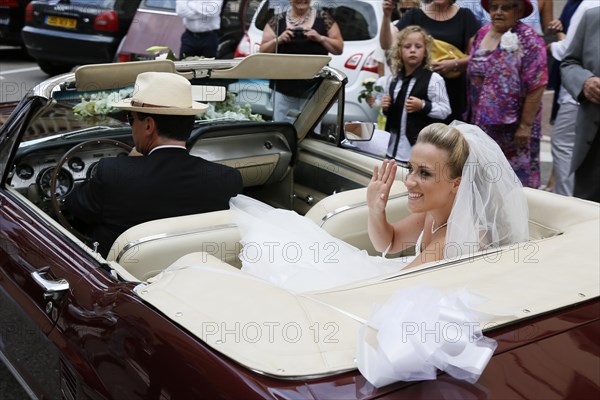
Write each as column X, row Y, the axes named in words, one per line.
column 169, row 314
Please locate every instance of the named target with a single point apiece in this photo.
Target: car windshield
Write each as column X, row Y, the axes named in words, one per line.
column 92, row 113
column 161, row 4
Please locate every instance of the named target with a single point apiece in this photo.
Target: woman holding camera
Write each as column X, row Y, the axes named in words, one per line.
column 301, row 29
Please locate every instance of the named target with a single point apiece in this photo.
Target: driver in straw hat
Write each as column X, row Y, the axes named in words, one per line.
column 166, row 181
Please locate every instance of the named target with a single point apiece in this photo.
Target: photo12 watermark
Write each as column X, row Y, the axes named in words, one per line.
column 271, row 332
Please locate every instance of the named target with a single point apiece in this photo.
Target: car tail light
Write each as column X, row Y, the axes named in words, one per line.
column 107, row 22
column 353, row 61
column 29, row 13
column 243, row 48
column 124, row 57
column 9, row 3
column 370, row 64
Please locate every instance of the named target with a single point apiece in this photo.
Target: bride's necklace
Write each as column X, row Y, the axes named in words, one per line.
column 297, row 21
column 433, row 231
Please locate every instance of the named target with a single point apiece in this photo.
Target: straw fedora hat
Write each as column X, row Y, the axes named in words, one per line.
column 162, row 93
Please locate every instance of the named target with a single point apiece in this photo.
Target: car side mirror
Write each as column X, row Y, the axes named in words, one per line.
column 359, row 131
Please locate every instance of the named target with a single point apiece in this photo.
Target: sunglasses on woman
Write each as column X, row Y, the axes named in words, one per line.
column 502, row 7
column 130, row 118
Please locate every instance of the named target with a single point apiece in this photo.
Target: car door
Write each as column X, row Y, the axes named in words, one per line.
column 36, row 277
column 323, row 167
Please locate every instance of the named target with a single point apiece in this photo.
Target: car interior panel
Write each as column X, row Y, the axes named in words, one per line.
column 263, row 154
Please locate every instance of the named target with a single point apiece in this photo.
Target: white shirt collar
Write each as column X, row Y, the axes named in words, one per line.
column 167, row 146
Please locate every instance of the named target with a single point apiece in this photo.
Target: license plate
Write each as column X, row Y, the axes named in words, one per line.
column 70, row 23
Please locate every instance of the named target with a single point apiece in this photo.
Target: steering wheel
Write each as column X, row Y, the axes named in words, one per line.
column 66, row 157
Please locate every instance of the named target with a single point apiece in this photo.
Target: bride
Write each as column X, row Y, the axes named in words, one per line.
column 463, row 195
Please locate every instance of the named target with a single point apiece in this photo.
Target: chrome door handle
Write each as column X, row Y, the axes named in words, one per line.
column 51, row 288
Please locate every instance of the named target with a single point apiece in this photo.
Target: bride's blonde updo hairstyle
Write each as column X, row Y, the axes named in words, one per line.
column 450, row 139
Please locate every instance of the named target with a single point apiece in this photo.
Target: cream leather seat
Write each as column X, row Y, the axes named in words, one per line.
column 146, row 249
column 344, row 215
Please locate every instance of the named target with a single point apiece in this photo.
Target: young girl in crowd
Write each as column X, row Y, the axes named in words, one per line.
column 415, row 96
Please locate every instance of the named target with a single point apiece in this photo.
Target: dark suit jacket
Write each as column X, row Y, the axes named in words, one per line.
column 126, row 191
column 582, row 61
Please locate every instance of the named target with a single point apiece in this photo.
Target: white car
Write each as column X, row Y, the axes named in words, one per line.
column 359, row 22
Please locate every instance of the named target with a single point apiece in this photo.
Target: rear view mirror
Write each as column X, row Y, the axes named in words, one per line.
column 359, row 131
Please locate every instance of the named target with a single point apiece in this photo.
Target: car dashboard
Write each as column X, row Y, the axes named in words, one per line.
column 34, row 168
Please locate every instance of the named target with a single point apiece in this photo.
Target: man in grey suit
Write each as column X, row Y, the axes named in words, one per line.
column 580, row 71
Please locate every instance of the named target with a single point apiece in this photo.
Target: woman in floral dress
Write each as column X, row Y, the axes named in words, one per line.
column 506, row 77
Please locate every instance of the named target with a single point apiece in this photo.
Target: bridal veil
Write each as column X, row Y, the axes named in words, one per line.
column 490, row 208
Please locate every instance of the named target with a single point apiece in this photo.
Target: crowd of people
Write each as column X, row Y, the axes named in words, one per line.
column 494, row 57
column 484, row 62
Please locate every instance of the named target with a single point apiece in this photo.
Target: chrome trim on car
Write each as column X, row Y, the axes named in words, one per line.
column 168, row 236
column 302, row 377
column 336, row 73
column 159, row 12
column 45, row 88
column 187, row 65
column 556, row 231
column 352, row 206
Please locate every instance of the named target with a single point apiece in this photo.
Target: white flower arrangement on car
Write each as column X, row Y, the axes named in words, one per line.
column 100, row 103
column 229, row 110
column 509, row 41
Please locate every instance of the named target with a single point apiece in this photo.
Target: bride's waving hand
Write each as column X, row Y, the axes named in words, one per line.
column 385, row 236
column 379, row 188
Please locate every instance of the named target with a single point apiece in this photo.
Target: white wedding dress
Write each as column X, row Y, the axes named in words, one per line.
column 292, row 252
